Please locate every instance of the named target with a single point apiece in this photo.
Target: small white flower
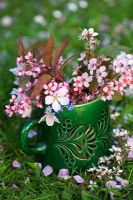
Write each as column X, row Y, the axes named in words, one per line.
column 92, row 185
column 82, row 57
column 72, row 6
column 58, row 99
column 39, row 19
column 83, row 4
column 6, row 21
column 88, row 33
column 91, row 169
column 57, row 14
column 115, row 115
column 119, row 133
column 115, row 149
column 49, row 117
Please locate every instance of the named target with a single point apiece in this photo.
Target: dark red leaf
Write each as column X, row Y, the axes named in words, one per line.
column 43, row 79
column 58, row 52
column 20, row 47
column 37, row 49
column 48, row 51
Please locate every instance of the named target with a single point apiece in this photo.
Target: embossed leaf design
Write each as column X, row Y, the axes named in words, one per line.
column 76, row 143
column 104, row 131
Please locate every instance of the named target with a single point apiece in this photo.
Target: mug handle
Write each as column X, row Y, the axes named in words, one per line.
column 23, row 140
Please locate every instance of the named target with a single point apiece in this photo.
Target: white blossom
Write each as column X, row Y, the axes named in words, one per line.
column 58, row 99
column 72, row 6
column 49, row 117
column 39, row 19
column 83, row 4
column 6, row 21
column 57, row 14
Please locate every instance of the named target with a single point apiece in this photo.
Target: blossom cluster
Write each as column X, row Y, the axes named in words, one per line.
column 41, row 84
column 110, row 168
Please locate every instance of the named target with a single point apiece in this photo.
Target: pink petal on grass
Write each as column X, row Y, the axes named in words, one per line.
column 130, row 155
column 47, row 170
column 78, row 179
column 64, row 174
column 113, row 184
column 122, row 181
column 130, row 141
column 16, row 164
column 14, row 186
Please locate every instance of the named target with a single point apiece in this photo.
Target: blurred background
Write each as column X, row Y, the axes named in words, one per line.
column 34, row 20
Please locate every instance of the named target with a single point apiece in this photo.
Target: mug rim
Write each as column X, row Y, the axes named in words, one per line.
column 91, row 102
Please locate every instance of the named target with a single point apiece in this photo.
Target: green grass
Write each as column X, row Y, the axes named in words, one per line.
column 32, row 184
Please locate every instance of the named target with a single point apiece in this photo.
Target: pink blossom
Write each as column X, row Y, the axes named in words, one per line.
column 92, row 65
column 86, row 79
column 120, row 85
column 9, row 110
column 39, row 104
column 78, row 83
column 87, row 98
column 20, row 61
column 29, row 56
column 101, row 73
column 16, row 164
column 108, row 92
column 29, row 85
column 63, row 84
column 120, row 63
column 50, row 88
column 48, row 170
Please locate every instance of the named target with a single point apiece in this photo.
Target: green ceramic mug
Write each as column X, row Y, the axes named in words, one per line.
column 82, row 136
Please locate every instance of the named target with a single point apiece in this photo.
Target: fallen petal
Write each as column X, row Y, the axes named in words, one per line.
column 47, row 170
column 63, row 172
column 16, row 164
column 14, row 186
column 78, row 179
column 122, row 181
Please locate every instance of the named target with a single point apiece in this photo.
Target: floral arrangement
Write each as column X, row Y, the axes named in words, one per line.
column 41, row 84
